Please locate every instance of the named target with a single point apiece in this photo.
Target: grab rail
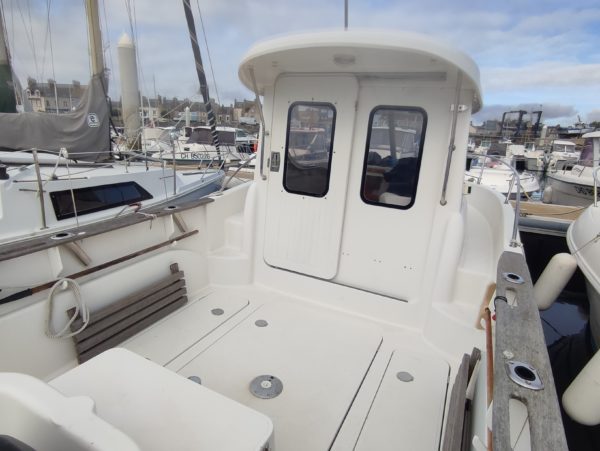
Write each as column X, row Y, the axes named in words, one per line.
column 451, row 145
column 262, row 124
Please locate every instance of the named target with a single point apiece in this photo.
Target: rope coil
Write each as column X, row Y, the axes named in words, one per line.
column 80, row 309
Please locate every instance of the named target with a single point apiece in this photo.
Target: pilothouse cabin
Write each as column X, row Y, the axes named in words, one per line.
column 357, row 129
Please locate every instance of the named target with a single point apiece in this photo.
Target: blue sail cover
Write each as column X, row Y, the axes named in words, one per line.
column 84, row 132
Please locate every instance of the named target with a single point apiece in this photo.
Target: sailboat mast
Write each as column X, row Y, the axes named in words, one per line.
column 201, row 75
column 94, row 37
column 8, row 102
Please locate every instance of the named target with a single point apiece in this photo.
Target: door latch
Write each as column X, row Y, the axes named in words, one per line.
column 275, row 161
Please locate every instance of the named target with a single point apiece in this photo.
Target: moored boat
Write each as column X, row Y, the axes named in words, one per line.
column 330, row 305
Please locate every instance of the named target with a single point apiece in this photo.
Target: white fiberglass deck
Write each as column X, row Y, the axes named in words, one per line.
column 339, row 372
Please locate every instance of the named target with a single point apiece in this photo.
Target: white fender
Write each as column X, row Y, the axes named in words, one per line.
column 553, row 279
column 582, row 399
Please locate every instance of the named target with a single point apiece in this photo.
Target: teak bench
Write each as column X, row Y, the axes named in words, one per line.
column 115, row 323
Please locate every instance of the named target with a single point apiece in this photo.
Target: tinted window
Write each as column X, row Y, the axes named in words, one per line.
column 308, row 149
column 393, row 156
column 96, row 198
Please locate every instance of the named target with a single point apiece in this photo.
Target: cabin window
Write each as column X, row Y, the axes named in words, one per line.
column 308, row 149
column 393, row 156
column 96, row 198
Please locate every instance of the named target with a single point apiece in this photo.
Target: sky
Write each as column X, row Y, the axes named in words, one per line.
column 531, row 53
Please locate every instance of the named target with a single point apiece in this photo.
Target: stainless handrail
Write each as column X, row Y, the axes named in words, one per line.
column 451, row 145
column 513, row 241
column 40, row 188
column 262, row 124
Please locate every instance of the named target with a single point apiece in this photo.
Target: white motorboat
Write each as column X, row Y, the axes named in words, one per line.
column 535, row 159
column 562, row 154
column 333, row 305
column 575, row 185
column 73, row 181
column 500, row 178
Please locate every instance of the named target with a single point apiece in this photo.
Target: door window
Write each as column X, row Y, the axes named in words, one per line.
column 393, row 156
column 308, row 151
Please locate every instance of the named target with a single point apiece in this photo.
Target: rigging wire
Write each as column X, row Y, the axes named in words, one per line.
column 108, row 49
column 49, row 32
column 30, row 39
column 208, row 53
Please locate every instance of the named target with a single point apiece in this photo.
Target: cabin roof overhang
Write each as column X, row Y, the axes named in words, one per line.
column 365, row 53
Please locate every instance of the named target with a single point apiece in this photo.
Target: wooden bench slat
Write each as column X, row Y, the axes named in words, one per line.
column 126, row 317
column 147, row 291
column 456, row 410
column 98, row 324
column 131, row 331
column 128, row 321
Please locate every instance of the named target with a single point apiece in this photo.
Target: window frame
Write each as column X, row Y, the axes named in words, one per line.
column 287, row 140
column 419, row 159
column 54, row 197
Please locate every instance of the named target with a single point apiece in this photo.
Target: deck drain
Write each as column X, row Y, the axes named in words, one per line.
column 261, row 323
column 217, row 311
column 195, row 379
column 266, row 386
column 524, row 375
column 513, row 278
column 405, row 376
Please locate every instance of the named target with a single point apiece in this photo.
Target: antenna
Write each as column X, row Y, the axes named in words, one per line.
column 345, row 14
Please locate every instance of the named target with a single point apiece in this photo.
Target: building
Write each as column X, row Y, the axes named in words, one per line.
column 54, row 97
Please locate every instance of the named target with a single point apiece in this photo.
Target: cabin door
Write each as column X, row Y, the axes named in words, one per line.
column 312, row 130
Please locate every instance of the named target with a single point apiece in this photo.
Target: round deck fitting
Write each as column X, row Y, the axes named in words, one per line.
column 405, row 376
column 266, row 386
column 195, row 379
column 261, row 323
column 524, row 375
column 217, row 311
column 62, row 236
column 513, row 278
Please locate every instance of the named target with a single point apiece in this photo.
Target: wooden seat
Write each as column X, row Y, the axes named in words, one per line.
column 123, row 319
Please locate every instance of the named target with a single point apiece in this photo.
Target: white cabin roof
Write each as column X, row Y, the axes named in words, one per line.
column 363, row 52
column 562, row 142
column 595, row 134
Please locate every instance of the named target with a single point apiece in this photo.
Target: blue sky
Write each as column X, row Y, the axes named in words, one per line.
column 530, row 53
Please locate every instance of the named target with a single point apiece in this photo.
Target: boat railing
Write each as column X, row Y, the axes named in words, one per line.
column 514, row 179
column 234, row 174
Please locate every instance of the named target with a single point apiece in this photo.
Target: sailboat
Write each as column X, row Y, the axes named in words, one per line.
column 59, row 174
column 361, row 302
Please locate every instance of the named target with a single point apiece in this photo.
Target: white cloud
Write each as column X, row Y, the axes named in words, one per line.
column 527, row 53
column 593, row 115
column 541, row 75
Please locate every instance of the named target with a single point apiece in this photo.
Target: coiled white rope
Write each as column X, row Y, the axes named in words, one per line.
column 80, row 308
